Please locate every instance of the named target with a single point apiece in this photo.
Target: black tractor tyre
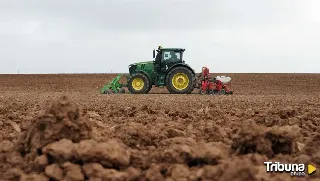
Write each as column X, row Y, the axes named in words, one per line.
column 150, row 87
column 146, row 86
column 191, row 77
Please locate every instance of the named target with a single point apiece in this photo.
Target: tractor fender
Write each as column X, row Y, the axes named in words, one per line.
column 181, row 65
column 142, row 72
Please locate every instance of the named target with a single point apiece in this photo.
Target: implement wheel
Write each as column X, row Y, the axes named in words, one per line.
column 222, row 92
column 121, row 90
column 139, row 84
column 108, row 91
column 180, row 80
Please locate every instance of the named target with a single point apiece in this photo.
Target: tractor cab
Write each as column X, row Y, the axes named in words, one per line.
column 166, row 58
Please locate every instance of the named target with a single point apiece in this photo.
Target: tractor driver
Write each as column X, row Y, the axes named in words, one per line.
column 172, row 59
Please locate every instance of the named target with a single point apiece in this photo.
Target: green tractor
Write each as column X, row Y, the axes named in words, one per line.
column 168, row 69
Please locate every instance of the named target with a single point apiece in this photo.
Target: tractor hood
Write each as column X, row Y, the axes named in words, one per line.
column 138, row 63
column 146, row 66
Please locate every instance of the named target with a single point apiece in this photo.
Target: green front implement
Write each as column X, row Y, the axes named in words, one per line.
column 113, row 87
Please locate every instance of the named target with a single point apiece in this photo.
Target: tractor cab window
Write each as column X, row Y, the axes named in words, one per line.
column 171, row 55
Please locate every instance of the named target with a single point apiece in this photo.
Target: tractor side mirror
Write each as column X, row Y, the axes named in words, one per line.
column 154, row 53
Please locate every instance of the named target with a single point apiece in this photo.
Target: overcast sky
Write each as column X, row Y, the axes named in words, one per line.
column 100, row 36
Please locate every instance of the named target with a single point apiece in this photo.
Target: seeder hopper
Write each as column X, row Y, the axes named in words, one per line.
column 168, row 69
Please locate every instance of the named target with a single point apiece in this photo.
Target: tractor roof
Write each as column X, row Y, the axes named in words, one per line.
column 174, row 49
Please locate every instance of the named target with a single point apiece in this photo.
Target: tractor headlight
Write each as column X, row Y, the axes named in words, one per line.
column 132, row 67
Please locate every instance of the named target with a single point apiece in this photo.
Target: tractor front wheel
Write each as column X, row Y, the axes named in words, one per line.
column 180, row 80
column 139, row 84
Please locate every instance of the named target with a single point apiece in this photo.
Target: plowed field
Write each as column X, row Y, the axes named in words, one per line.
column 59, row 127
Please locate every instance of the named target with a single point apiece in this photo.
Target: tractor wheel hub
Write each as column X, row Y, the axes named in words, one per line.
column 137, row 83
column 180, row 81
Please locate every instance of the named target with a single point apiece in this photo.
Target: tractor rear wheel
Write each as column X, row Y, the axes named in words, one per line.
column 139, row 84
column 180, row 80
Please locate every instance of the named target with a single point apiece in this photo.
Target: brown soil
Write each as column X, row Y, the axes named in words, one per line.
column 59, row 127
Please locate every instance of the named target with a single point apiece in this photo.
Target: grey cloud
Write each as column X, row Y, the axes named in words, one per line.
column 155, row 15
column 46, row 36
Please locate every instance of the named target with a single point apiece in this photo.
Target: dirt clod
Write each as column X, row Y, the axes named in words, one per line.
column 61, row 121
column 54, row 171
column 58, row 127
column 271, row 141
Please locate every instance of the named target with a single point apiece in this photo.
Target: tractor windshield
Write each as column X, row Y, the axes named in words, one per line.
column 171, row 55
